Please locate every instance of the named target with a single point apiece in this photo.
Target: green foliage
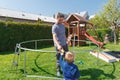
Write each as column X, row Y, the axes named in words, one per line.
column 100, row 21
column 14, row 32
column 101, row 33
column 109, row 17
column 8, row 19
column 112, row 13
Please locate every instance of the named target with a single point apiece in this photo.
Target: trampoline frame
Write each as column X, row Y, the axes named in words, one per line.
column 18, row 49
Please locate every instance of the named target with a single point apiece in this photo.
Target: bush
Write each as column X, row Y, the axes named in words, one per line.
column 101, row 33
column 15, row 32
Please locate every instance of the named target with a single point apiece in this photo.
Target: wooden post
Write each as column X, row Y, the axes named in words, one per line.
column 78, row 33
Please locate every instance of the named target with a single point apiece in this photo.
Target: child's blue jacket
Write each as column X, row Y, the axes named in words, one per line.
column 70, row 70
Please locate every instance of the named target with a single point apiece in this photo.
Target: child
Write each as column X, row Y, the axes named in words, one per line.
column 107, row 38
column 70, row 70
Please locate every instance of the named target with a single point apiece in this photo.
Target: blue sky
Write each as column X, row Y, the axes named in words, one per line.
column 49, row 7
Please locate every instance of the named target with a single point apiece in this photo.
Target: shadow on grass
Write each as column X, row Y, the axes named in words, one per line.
column 6, row 53
column 114, row 68
column 96, row 73
column 41, row 69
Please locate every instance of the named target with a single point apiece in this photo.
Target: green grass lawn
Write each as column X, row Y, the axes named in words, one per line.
column 44, row 64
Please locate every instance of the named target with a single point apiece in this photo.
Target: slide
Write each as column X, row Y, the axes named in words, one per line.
column 93, row 39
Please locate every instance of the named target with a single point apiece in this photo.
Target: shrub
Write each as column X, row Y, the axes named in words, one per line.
column 15, row 32
column 101, row 33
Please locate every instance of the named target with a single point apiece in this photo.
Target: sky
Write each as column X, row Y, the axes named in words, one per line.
column 49, row 7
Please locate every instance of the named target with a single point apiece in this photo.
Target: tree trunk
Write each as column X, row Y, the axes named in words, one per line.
column 115, row 37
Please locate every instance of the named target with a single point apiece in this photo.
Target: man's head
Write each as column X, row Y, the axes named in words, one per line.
column 60, row 18
column 69, row 57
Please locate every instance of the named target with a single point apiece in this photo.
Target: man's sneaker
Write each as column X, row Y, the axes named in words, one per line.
column 58, row 73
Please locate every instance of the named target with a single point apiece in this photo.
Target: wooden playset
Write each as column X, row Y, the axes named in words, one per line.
column 77, row 29
column 77, row 32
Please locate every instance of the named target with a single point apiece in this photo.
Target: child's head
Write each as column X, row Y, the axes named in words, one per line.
column 69, row 57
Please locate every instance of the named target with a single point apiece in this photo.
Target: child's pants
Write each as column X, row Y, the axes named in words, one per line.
column 58, row 56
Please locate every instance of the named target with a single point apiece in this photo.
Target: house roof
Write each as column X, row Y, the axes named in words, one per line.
column 83, row 14
column 24, row 15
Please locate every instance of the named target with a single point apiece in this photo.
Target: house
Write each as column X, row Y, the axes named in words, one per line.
column 19, row 16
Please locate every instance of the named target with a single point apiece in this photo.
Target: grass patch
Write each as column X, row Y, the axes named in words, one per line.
column 45, row 64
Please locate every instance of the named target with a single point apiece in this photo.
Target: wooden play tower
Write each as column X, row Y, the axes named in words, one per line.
column 76, row 28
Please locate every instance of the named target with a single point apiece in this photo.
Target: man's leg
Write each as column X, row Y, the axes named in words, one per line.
column 57, row 62
column 65, row 47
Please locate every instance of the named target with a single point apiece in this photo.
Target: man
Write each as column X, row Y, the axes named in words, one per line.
column 59, row 38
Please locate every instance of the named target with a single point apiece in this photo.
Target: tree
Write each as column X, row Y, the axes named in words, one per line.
column 112, row 12
column 100, row 21
column 109, row 17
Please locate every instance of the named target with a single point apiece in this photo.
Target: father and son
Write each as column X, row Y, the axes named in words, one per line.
column 64, row 58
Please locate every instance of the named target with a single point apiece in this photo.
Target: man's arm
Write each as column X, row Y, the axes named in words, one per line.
column 59, row 47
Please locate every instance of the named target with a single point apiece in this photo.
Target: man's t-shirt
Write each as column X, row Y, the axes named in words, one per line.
column 59, row 30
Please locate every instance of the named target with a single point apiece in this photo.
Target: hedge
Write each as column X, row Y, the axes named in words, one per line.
column 15, row 32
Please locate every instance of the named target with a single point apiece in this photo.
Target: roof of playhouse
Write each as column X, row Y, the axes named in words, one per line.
column 24, row 15
column 74, row 17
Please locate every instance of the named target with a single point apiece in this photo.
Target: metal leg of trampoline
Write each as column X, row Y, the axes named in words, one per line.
column 35, row 44
column 73, row 42
column 97, row 61
column 15, row 59
column 25, row 62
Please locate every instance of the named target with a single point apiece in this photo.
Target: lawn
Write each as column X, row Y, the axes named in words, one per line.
column 44, row 64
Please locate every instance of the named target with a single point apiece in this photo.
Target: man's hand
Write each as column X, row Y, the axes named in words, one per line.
column 67, row 42
column 59, row 47
column 62, row 51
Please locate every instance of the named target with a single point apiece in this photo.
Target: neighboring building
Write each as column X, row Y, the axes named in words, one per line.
column 92, row 16
column 18, row 16
column 83, row 14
